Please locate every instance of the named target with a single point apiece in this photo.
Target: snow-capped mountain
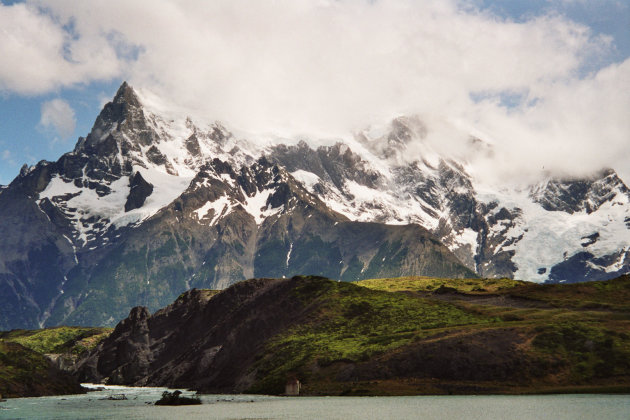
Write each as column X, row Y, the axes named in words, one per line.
column 150, row 204
column 555, row 231
column 146, row 207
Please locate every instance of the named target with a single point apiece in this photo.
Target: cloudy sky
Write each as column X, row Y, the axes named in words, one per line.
column 547, row 81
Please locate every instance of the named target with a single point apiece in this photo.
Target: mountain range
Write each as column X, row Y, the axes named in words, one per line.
column 149, row 205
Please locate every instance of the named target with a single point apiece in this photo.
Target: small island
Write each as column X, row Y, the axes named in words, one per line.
column 175, row 398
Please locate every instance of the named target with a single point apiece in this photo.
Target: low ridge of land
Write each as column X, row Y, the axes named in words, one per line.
column 398, row 336
column 412, row 335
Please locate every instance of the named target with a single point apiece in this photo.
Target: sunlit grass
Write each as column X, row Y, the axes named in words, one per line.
column 73, row 340
column 429, row 284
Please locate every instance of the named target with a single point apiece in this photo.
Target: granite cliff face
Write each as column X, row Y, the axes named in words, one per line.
column 150, row 205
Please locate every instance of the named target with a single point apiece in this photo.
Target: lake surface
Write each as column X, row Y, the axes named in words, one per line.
column 137, row 406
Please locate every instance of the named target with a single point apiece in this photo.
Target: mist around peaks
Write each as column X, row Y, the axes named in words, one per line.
column 544, row 89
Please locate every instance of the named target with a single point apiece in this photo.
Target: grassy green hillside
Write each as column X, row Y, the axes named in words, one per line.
column 395, row 336
column 355, row 324
column 72, row 340
column 429, row 335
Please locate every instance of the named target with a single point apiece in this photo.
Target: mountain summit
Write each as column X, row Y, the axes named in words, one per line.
column 147, row 206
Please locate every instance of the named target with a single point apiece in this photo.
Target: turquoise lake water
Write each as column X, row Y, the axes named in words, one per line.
column 137, row 406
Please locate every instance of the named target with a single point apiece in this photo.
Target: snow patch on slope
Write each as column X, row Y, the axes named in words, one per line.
column 256, row 205
column 362, row 203
column 465, row 237
column 220, row 207
column 166, row 188
column 308, row 179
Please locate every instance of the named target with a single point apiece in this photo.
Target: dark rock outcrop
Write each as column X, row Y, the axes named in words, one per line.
column 202, row 341
column 581, row 194
column 138, row 192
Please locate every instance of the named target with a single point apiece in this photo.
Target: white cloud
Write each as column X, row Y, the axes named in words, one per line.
column 57, row 115
column 328, row 67
column 40, row 55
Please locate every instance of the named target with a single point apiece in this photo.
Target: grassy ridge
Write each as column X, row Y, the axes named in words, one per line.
column 612, row 294
column 429, row 284
column 563, row 336
column 583, row 329
column 73, row 340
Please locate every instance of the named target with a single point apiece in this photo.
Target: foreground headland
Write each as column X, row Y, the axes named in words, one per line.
column 404, row 336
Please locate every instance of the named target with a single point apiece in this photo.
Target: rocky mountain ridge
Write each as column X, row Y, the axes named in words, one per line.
column 528, row 233
column 136, row 214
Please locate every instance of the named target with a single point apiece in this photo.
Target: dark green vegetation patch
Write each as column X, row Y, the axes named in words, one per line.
column 32, row 361
column 26, row 373
column 353, row 324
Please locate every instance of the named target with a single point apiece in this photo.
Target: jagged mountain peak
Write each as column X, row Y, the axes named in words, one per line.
column 574, row 194
column 123, row 114
column 125, row 105
column 405, row 128
column 427, row 139
column 391, row 141
column 126, row 95
column 262, row 189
